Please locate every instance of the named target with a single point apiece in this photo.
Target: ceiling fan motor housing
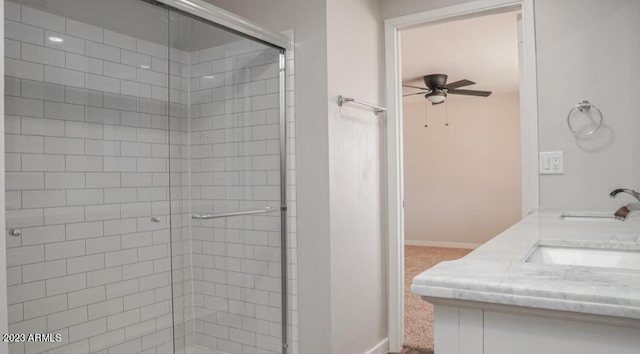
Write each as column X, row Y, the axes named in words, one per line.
column 435, row 81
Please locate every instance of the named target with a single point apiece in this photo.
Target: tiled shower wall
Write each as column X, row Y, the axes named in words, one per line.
column 235, row 165
column 87, row 166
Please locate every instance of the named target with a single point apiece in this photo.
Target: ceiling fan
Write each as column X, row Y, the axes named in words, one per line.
column 437, row 88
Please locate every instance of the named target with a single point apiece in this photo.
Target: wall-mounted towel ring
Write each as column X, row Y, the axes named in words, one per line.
column 585, row 108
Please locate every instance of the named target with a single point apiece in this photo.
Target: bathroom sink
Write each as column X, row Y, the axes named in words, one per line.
column 590, row 257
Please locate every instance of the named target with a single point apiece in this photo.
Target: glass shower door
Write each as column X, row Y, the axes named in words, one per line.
column 144, row 158
column 87, row 169
column 231, row 290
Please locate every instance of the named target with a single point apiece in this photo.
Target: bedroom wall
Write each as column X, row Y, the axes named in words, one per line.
column 462, row 181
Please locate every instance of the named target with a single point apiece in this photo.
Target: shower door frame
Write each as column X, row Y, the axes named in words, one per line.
column 230, row 20
column 235, row 23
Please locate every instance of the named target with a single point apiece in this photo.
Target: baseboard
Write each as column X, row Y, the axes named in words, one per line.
column 380, row 348
column 465, row 245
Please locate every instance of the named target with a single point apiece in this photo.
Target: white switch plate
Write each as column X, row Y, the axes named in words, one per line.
column 551, row 163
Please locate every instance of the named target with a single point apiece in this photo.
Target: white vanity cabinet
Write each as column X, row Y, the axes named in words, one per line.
column 469, row 328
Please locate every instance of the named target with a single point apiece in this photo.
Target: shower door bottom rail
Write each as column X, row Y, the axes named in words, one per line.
column 234, row 213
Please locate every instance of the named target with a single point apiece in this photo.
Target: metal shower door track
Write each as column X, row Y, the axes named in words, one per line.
column 227, row 19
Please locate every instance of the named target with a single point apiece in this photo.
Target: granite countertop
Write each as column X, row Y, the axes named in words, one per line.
column 497, row 272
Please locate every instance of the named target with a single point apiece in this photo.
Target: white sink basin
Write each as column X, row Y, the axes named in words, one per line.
column 590, row 257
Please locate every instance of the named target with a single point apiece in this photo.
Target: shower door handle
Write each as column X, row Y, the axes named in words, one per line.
column 234, row 213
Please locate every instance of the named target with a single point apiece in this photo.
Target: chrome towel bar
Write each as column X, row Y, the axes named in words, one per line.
column 234, row 213
column 376, row 109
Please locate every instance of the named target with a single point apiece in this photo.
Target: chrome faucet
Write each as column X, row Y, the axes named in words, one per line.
column 621, row 214
column 623, row 190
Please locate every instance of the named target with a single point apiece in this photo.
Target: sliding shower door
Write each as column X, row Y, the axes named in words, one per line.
column 229, row 297
column 144, row 182
column 87, row 168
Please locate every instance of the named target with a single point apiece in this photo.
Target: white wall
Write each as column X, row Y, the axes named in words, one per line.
column 585, row 50
column 358, row 279
column 396, row 8
column 463, row 181
column 313, row 190
column 589, row 50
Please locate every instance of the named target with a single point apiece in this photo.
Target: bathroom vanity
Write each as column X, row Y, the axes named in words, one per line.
column 549, row 284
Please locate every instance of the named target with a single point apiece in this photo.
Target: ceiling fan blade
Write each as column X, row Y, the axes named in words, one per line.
column 470, row 93
column 416, row 87
column 460, row 83
column 412, row 94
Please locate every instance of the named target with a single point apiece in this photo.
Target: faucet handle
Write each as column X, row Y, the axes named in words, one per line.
column 622, row 213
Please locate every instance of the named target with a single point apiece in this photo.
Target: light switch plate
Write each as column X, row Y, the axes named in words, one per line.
column 551, row 163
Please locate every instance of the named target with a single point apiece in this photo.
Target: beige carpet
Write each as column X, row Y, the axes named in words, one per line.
column 418, row 314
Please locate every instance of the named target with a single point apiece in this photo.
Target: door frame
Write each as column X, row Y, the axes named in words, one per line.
column 395, row 188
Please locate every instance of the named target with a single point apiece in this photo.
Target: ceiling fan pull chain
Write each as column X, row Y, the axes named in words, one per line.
column 425, row 114
column 446, row 113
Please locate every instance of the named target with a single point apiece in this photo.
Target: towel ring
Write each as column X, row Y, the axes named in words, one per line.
column 583, row 107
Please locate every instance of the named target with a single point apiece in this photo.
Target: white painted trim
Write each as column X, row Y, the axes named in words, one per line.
column 230, row 20
column 529, row 114
column 395, row 192
column 380, row 348
column 4, row 310
column 441, row 244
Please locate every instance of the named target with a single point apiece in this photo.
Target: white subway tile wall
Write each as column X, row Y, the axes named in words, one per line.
column 94, row 149
column 235, row 165
column 90, row 264
column 232, row 308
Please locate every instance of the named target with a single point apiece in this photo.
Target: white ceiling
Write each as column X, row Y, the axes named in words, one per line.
column 482, row 49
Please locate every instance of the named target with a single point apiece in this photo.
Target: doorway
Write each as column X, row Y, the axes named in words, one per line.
column 463, row 153
column 434, row 149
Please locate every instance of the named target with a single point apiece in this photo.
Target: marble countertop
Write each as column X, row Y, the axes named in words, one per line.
column 497, row 272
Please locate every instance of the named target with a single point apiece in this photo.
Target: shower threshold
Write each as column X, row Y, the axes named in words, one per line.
column 197, row 349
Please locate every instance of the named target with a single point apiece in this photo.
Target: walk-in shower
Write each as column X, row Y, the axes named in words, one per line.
column 146, row 180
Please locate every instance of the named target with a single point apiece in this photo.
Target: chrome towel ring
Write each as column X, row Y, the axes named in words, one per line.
column 585, row 107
